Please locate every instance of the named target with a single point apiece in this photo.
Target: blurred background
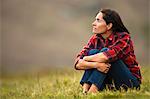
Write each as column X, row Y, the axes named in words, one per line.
column 38, row 35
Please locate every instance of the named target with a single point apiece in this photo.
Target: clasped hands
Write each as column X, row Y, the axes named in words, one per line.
column 99, row 61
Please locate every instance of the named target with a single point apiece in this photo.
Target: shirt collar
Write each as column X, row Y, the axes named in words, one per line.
column 110, row 37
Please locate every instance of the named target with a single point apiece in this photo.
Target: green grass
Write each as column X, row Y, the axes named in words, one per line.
column 62, row 84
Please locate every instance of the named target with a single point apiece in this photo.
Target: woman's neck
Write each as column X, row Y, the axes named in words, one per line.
column 106, row 34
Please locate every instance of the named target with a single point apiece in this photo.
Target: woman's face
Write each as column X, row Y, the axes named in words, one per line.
column 99, row 25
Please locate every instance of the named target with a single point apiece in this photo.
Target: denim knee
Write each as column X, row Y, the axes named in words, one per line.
column 104, row 49
column 95, row 51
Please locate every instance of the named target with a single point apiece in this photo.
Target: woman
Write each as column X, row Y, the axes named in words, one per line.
column 108, row 56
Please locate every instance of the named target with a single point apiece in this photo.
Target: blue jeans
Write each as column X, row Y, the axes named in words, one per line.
column 118, row 73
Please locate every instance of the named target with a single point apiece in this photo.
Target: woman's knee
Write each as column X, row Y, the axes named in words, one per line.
column 95, row 51
column 104, row 49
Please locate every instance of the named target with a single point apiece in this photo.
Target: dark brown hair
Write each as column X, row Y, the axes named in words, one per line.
column 111, row 16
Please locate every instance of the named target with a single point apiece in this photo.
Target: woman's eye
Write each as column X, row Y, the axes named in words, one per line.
column 98, row 20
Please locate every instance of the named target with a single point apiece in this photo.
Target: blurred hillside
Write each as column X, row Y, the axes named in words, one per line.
column 38, row 34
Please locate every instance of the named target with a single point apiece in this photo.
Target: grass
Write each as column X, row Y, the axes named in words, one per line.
column 62, row 84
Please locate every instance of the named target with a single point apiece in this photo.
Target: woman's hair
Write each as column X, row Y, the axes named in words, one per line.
column 111, row 16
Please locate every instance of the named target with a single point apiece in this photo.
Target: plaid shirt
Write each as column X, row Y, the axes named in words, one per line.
column 120, row 47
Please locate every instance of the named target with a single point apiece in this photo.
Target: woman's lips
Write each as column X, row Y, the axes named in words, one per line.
column 94, row 28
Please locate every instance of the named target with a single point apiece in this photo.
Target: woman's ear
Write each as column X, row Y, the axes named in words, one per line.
column 109, row 26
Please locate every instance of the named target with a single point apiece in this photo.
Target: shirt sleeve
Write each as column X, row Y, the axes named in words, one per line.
column 117, row 50
column 85, row 50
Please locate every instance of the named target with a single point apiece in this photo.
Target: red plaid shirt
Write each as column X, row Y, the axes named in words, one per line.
column 120, row 47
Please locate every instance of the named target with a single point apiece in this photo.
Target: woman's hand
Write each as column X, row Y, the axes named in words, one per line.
column 80, row 63
column 103, row 67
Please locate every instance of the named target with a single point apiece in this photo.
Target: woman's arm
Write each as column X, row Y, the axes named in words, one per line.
column 83, row 65
column 100, row 57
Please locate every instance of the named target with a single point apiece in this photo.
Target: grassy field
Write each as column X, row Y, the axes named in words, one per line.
column 62, row 84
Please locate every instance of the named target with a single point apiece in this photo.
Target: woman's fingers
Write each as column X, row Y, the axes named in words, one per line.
column 106, row 70
column 107, row 65
column 104, row 67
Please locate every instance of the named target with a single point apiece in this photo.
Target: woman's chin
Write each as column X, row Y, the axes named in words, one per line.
column 96, row 33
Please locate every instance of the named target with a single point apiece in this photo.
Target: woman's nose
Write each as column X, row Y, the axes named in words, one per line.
column 93, row 24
